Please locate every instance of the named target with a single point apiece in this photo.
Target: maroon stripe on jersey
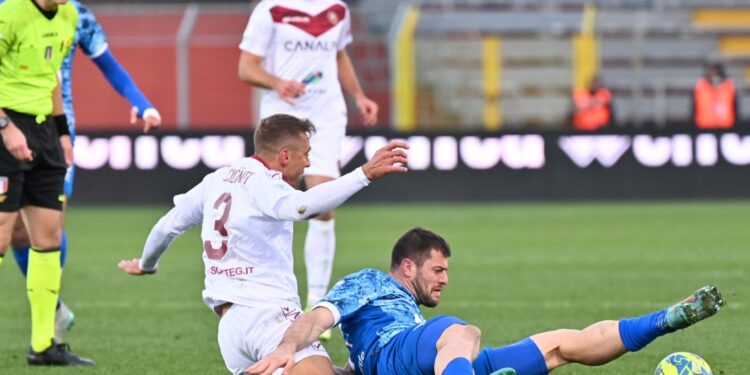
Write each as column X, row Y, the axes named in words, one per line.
column 314, row 25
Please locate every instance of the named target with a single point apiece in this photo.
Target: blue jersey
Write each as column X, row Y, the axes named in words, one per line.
column 92, row 40
column 372, row 308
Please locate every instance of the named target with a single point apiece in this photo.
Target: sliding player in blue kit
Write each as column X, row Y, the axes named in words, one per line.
column 387, row 334
column 90, row 36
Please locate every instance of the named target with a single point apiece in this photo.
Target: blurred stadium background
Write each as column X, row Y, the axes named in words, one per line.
column 481, row 90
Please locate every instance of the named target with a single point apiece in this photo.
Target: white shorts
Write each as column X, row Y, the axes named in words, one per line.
column 326, row 149
column 247, row 334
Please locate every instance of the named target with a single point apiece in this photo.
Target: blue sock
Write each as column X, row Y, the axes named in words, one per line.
column 523, row 356
column 22, row 258
column 638, row 332
column 458, row 366
column 63, row 248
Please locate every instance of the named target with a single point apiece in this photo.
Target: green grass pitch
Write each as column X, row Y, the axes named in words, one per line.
column 516, row 269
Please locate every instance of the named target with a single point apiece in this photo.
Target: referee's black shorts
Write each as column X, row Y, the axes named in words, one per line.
column 39, row 182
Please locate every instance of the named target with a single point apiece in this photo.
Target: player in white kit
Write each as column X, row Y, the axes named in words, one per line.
column 295, row 51
column 247, row 212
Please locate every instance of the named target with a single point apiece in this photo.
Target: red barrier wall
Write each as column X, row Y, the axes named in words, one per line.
column 145, row 44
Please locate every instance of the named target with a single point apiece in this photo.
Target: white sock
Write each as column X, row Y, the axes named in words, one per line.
column 320, row 248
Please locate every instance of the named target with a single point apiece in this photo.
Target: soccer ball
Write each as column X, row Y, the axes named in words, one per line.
column 683, row 363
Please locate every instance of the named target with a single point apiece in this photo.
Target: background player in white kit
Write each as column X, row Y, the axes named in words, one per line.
column 295, row 50
column 246, row 211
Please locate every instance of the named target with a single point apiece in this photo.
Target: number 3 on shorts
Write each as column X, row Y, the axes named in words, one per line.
column 218, row 253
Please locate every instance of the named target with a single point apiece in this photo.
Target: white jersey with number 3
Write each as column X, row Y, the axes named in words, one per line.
column 299, row 40
column 246, row 211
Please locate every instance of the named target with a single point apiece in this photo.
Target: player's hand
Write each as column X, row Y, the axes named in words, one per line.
column 15, row 142
column 389, row 159
column 289, row 90
column 368, row 109
column 151, row 118
column 281, row 357
column 133, row 267
column 67, row 148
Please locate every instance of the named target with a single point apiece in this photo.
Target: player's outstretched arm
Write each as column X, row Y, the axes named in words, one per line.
column 132, row 267
column 187, row 213
column 151, row 118
column 305, row 330
column 389, row 159
column 121, row 81
column 325, row 197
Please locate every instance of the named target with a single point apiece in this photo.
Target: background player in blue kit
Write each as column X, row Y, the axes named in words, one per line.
column 387, row 334
column 90, row 36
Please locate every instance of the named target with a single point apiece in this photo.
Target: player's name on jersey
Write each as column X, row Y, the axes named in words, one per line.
column 237, row 176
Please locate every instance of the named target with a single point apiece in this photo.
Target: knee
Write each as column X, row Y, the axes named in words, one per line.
column 461, row 334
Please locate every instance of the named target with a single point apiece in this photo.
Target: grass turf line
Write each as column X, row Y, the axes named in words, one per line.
column 516, row 269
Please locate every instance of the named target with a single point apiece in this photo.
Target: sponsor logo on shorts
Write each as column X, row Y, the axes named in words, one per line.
column 290, row 313
column 317, row 346
column 3, row 185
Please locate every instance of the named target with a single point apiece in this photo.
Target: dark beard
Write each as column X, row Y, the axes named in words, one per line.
column 423, row 296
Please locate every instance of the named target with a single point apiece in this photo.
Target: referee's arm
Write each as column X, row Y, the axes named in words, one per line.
column 61, row 121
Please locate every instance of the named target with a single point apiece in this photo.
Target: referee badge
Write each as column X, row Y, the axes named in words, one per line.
column 3, row 185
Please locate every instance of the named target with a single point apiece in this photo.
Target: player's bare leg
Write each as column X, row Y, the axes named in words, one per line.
column 594, row 345
column 320, row 249
column 457, row 341
column 7, row 219
column 20, row 236
column 603, row 342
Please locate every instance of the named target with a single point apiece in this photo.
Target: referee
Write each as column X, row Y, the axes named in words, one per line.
column 35, row 36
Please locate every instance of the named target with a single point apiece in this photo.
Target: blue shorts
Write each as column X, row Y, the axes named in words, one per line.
column 413, row 352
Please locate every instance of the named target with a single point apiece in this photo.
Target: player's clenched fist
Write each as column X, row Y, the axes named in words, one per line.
column 389, row 159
